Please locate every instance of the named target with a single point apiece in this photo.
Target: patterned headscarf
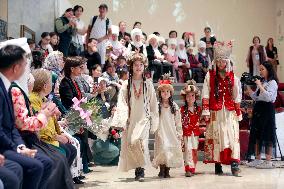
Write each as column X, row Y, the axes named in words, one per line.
column 52, row 62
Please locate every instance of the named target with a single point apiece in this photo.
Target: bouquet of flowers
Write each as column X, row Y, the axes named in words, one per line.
column 86, row 114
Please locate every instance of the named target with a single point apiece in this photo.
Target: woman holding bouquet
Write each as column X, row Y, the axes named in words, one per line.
column 68, row 89
column 137, row 109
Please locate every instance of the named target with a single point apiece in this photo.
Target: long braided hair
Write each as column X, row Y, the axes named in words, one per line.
column 131, row 61
column 216, row 83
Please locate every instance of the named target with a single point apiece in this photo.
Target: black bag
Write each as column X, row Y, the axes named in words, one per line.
column 74, row 49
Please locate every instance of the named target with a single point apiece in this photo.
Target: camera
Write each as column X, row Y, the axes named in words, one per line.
column 249, row 79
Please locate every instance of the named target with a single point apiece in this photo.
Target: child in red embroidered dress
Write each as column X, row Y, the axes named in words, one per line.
column 190, row 116
column 221, row 97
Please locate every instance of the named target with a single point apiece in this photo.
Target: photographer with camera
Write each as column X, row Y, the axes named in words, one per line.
column 263, row 128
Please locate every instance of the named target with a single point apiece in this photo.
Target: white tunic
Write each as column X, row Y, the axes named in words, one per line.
column 168, row 139
column 134, row 141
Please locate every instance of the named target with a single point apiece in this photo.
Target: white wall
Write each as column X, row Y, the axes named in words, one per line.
column 230, row 19
column 38, row 15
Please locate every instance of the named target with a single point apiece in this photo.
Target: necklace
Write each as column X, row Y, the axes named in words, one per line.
column 138, row 93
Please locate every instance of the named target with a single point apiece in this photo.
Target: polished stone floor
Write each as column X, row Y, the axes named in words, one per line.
column 250, row 178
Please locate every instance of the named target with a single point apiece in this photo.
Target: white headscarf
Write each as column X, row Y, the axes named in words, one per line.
column 134, row 32
column 21, row 42
column 181, row 53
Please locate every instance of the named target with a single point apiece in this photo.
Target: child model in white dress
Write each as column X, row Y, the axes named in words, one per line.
column 137, row 113
column 168, row 137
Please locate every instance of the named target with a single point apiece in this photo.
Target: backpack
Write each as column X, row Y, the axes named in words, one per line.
column 94, row 20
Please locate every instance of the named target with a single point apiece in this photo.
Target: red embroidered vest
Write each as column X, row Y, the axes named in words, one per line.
column 190, row 121
column 225, row 92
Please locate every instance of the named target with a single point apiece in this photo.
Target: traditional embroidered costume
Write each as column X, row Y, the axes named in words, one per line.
column 221, row 99
column 137, row 113
column 190, row 117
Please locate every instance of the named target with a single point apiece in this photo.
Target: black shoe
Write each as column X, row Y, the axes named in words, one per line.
column 162, row 171
column 235, row 169
column 167, row 172
column 139, row 174
column 136, row 173
column 76, row 180
column 81, row 177
column 218, row 169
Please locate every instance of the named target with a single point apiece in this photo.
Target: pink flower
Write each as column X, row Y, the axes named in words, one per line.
column 86, row 115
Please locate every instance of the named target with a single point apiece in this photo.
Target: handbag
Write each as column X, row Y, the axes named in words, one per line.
column 74, row 49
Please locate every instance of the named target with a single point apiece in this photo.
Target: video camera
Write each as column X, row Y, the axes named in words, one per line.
column 249, row 79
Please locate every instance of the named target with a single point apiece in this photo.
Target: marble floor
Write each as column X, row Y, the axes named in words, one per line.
column 250, row 178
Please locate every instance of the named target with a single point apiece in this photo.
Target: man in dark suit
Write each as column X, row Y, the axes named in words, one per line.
column 36, row 166
column 11, row 173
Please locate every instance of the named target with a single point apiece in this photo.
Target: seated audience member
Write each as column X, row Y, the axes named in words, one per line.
column 144, row 39
column 92, row 55
column 38, row 58
column 184, row 66
column 171, row 56
column 102, row 96
column 138, row 25
column 96, row 72
column 186, row 36
column 126, row 40
column 137, row 45
column 117, row 48
column 85, row 82
column 68, row 89
column 65, row 26
column 123, row 76
column 31, row 43
column 36, row 166
column 54, row 40
column 54, row 62
column 155, row 58
column 121, row 64
column 195, row 66
column 112, row 81
column 157, row 61
column 209, row 40
column 202, row 58
column 107, row 152
column 50, row 134
column 11, row 174
column 161, row 41
column 29, row 125
column 44, row 43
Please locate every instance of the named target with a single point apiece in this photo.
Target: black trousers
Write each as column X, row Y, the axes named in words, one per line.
column 36, row 170
column 157, row 67
column 71, row 152
column 11, row 174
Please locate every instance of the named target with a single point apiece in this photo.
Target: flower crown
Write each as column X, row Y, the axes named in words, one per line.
column 166, row 79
